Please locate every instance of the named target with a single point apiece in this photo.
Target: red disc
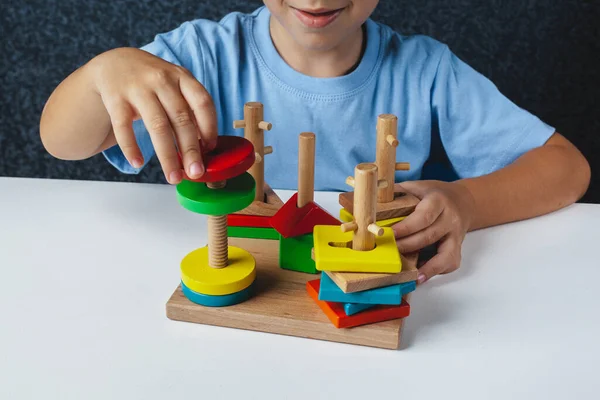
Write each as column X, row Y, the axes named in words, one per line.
column 232, row 156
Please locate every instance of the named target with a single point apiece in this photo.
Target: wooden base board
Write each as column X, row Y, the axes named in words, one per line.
column 282, row 306
column 402, row 205
column 268, row 208
column 351, row 282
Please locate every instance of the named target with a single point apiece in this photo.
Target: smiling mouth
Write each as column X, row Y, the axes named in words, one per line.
column 317, row 18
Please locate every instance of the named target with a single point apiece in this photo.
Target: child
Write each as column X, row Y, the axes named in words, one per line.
column 323, row 67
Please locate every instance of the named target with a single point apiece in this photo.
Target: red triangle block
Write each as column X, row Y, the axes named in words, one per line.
column 292, row 221
column 337, row 316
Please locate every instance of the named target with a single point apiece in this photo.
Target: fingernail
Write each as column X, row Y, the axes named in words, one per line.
column 136, row 163
column 175, row 177
column 196, row 169
column 421, row 278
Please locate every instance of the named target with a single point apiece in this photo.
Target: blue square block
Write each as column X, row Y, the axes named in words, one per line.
column 391, row 295
column 355, row 308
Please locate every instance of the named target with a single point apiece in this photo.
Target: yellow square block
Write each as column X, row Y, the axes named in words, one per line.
column 345, row 216
column 333, row 252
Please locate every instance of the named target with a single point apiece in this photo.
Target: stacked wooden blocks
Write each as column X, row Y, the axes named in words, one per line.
column 365, row 277
column 361, row 250
column 219, row 275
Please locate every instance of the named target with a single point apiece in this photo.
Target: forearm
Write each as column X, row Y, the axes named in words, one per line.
column 539, row 182
column 75, row 124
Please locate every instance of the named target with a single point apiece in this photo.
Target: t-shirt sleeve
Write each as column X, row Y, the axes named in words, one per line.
column 174, row 47
column 481, row 129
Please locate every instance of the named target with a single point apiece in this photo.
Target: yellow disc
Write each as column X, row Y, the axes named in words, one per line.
column 239, row 273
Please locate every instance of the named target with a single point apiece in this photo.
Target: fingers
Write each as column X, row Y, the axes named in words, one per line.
column 159, row 126
column 426, row 213
column 203, row 109
column 121, row 116
column 186, row 132
column 416, row 188
column 421, row 239
column 445, row 261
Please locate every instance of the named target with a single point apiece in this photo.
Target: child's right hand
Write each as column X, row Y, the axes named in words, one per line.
column 175, row 108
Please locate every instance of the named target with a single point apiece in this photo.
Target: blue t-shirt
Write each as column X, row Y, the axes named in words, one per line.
column 436, row 97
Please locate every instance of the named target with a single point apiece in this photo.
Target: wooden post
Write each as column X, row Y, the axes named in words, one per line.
column 218, row 256
column 254, row 128
column 387, row 134
column 365, row 203
column 306, row 168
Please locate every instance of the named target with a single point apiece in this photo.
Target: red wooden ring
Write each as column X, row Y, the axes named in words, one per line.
column 232, row 156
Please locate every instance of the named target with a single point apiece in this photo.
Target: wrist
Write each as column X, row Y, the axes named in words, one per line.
column 467, row 202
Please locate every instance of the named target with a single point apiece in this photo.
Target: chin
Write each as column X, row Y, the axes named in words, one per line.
column 317, row 41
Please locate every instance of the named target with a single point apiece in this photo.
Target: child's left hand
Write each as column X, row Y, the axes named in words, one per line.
column 444, row 214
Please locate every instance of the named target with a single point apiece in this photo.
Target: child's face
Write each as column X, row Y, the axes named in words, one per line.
column 321, row 24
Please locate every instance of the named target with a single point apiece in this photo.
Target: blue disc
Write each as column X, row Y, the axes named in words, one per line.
column 217, row 301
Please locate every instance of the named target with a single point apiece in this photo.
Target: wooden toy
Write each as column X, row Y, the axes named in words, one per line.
column 218, row 269
column 268, row 285
column 351, row 282
column 266, row 202
column 251, row 221
column 360, row 245
column 390, row 204
column 355, row 308
column 345, row 216
column 280, row 305
column 300, row 214
column 337, row 316
column 218, row 301
column 392, row 294
column 252, row 233
column 295, row 254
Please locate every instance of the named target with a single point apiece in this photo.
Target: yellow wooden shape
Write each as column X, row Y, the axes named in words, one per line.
column 345, row 216
column 333, row 252
column 197, row 275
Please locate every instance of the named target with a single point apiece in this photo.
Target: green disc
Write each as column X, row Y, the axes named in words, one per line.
column 237, row 194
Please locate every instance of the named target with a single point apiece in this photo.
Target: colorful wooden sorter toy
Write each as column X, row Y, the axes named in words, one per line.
column 269, row 285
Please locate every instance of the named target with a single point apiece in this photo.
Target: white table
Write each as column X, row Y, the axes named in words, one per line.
column 87, row 267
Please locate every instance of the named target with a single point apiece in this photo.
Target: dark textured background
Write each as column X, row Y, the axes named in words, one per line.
column 544, row 55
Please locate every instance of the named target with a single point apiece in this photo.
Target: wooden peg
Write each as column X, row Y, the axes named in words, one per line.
column 402, row 166
column 349, row 226
column 257, row 158
column 375, row 229
column 365, row 206
column 266, row 126
column 387, row 133
column 306, row 168
column 382, row 184
column 350, row 181
column 254, row 128
column 268, row 150
column 392, row 141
